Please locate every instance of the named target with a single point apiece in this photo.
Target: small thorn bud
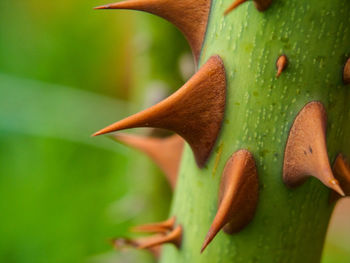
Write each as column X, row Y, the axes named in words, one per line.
column 281, row 64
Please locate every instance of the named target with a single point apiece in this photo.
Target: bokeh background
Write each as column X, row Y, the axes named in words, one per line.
column 65, row 72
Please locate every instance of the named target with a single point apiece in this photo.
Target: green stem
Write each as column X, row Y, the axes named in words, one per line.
column 290, row 224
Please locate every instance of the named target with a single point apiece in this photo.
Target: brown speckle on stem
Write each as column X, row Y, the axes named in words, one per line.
column 238, row 196
column 190, row 16
column 195, row 111
column 308, row 134
column 165, row 152
column 281, row 65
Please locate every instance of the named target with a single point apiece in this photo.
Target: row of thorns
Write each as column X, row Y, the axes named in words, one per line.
column 195, row 114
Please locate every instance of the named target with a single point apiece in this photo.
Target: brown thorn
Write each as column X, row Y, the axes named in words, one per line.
column 306, row 151
column 173, row 237
column 346, row 72
column 159, row 227
column 341, row 169
column 281, row 64
column 190, row 16
column 165, row 152
column 238, row 196
column 195, row 111
column 261, row 5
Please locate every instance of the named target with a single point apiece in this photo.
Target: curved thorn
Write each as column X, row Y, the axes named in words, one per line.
column 165, row 152
column 189, row 16
column 306, row 151
column 195, row 111
column 238, row 196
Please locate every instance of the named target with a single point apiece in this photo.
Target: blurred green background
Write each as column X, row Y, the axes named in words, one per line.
column 65, row 72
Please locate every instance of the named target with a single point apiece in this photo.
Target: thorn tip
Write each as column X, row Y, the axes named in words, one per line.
column 306, row 150
column 341, row 171
column 101, row 7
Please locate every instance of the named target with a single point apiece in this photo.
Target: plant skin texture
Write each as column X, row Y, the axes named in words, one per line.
column 273, row 82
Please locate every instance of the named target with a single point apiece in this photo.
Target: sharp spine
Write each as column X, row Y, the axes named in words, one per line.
column 195, row 111
column 190, row 16
column 306, row 150
column 238, row 196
